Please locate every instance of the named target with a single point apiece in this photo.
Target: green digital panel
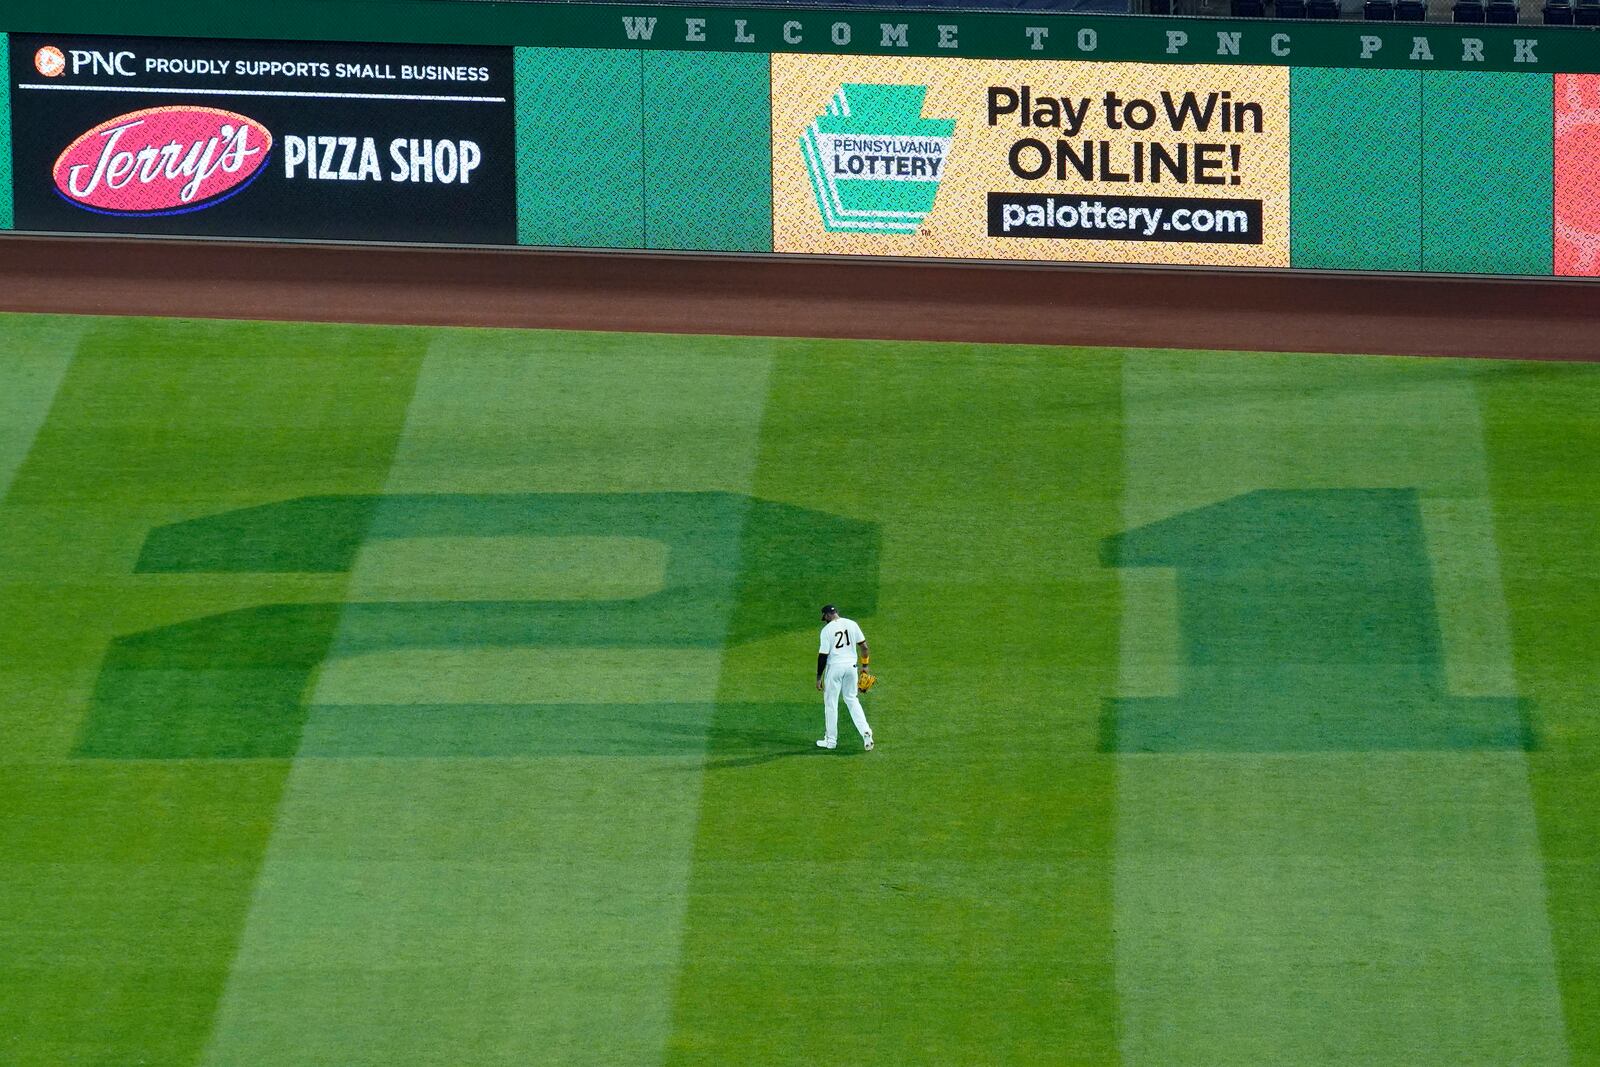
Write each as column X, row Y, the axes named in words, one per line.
column 5, row 140
column 1486, row 173
column 580, row 163
column 1355, row 170
column 707, row 169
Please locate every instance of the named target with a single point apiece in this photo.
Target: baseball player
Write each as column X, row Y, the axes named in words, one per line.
column 836, row 676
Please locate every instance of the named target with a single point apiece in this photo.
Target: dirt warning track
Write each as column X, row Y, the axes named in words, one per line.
column 805, row 297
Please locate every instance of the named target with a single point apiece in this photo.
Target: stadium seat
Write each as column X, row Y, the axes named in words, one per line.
column 1586, row 14
column 1378, row 11
column 1289, row 9
column 1503, row 11
column 1322, row 9
column 1469, row 11
column 1249, row 9
column 1557, row 14
column 1411, row 10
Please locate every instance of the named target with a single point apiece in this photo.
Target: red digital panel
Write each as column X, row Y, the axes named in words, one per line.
column 1577, row 174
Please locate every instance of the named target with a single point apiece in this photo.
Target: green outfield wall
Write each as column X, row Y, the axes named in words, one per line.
column 996, row 136
column 5, row 144
column 1357, row 131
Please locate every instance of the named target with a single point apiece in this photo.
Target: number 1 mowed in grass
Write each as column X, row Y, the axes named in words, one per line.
column 1322, row 855
column 1308, row 623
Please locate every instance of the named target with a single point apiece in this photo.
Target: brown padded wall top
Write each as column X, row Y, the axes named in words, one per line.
column 775, row 296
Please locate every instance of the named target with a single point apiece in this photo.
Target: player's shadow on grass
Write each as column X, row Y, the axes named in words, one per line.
column 747, row 735
column 673, row 732
column 736, row 762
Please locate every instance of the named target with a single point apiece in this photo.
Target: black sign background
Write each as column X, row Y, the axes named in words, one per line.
column 1167, row 205
column 483, row 211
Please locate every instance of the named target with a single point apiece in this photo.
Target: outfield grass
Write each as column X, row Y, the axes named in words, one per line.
column 378, row 696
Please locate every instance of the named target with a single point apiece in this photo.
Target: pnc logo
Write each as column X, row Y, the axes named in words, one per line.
column 111, row 64
column 162, row 161
column 50, row 62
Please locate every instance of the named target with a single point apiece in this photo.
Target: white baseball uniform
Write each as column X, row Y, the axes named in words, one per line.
column 839, row 640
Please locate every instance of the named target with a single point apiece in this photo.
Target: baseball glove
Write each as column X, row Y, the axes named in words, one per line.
column 865, row 680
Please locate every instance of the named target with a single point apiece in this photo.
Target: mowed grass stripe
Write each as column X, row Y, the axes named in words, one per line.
column 1336, row 869
column 35, row 351
column 946, row 898
column 484, row 847
column 126, row 882
column 1544, row 462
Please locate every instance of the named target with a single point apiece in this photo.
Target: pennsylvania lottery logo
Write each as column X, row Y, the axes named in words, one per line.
column 875, row 162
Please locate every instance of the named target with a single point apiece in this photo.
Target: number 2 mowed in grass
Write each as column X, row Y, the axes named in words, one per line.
column 356, row 159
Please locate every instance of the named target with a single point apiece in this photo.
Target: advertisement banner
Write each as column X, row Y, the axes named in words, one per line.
column 1048, row 160
column 355, row 142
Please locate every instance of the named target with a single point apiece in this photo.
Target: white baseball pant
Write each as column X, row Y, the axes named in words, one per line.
column 841, row 681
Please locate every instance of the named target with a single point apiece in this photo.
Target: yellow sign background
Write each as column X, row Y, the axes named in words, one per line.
column 957, row 228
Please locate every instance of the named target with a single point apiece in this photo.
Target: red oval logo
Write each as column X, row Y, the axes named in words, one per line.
column 162, row 161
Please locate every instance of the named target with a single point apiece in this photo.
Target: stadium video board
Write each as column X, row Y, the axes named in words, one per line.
column 342, row 142
column 1035, row 138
